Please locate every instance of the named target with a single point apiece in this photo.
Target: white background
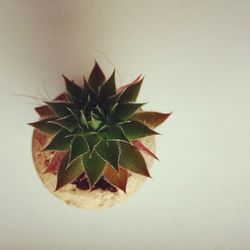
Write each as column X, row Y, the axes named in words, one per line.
column 196, row 58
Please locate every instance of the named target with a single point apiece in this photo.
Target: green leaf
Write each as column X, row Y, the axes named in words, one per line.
column 60, row 108
column 151, row 119
column 46, row 127
column 112, row 100
column 60, row 142
column 116, row 178
column 113, row 133
column 96, row 77
column 132, row 159
column 93, row 166
column 72, row 88
column 136, row 130
column 131, row 91
column 68, row 173
column 125, row 110
column 94, row 123
column 92, row 141
column 109, row 151
column 69, row 123
column 75, row 113
column 108, row 88
column 79, row 147
column 83, row 120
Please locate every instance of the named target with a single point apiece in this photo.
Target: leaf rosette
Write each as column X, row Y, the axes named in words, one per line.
column 96, row 130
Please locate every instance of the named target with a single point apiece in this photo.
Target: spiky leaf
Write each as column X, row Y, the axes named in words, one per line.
column 79, row 147
column 109, row 151
column 116, row 178
column 92, row 141
column 125, row 110
column 131, row 91
column 112, row 100
column 151, row 119
column 136, row 130
column 108, row 88
column 60, row 142
column 83, row 120
column 73, row 89
column 139, row 145
column 93, row 166
column 114, row 133
column 94, row 123
column 132, row 159
column 68, row 173
column 96, row 77
column 46, row 127
column 44, row 111
column 60, row 108
column 69, row 123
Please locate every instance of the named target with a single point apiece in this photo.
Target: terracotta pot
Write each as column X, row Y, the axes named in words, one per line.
column 71, row 194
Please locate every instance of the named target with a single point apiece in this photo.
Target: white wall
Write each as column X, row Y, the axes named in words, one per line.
column 196, row 57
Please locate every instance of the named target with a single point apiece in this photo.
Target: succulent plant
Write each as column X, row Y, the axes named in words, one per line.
column 96, row 130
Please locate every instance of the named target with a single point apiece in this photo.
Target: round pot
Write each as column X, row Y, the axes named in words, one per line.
column 71, row 193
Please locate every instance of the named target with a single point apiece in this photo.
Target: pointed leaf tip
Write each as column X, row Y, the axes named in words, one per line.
column 124, row 110
column 45, row 126
column 151, row 118
column 108, row 89
column 69, row 172
column 139, row 145
column 136, row 130
column 132, row 159
column 93, row 166
column 96, row 77
column 131, row 91
column 59, row 142
column 72, row 88
column 116, row 178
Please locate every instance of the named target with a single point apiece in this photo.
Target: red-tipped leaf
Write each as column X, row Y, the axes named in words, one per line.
column 55, row 162
column 151, row 119
column 143, row 148
column 116, row 178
